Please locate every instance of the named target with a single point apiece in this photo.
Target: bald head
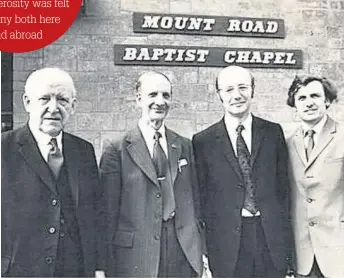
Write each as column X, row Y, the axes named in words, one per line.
column 49, row 99
column 237, row 73
column 234, row 86
column 49, row 78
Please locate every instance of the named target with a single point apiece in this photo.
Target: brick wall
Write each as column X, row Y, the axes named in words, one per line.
column 106, row 104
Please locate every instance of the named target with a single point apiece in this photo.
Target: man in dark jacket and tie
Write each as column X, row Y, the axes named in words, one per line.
column 148, row 177
column 48, row 180
column 242, row 167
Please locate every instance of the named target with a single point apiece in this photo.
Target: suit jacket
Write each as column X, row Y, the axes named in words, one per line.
column 133, row 205
column 29, row 207
column 318, row 200
column 222, row 192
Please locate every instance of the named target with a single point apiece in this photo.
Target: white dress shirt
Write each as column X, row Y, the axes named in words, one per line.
column 43, row 141
column 317, row 130
column 231, row 126
column 148, row 134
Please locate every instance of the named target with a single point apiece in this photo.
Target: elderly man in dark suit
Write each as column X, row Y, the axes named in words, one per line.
column 148, row 177
column 242, row 166
column 48, row 180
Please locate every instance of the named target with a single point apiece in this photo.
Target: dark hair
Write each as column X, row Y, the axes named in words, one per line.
column 143, row 75
column 252, row 83
column 304, row 80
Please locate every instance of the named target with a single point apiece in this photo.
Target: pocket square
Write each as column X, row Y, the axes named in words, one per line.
column 182, row 162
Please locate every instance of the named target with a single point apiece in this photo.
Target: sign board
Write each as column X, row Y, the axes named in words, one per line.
column 208, row 25
column 162, row 55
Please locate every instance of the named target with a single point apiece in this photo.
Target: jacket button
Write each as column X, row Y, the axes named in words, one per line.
column 158, row 195
column 48, row 260
column 52, row 230
column 54, row 202
column 310, row 200
column 240, row 185
column 312, row 223
column 237, row 229
column 62, row 221
column 157, row 237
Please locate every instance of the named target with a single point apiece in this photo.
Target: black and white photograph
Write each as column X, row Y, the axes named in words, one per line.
column 177, row 139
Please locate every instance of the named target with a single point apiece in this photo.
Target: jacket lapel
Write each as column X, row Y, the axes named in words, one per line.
column 29, row 150
column 139, row 153
column 325, row 137
column 225, row 146
column 174, row 151
column 257, row 137
column 300, row 145
column 72, row 161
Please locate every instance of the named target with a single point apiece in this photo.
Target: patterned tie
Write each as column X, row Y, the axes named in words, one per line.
column 55, row 158
column 310, row 142
column 246, row 170
column 162, row 169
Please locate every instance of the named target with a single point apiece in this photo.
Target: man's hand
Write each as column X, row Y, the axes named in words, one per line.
column 100, row 274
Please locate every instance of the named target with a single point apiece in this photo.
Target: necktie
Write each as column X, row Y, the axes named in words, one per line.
column 55, row 158
column 246, row 170
column 310, row 142
column 162, row 169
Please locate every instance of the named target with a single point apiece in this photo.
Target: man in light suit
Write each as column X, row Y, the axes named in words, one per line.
column 148, row 178
column 242, row 167
column 48, row 180
column 316, row 153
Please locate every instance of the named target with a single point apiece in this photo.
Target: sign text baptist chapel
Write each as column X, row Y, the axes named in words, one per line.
column 162, row 55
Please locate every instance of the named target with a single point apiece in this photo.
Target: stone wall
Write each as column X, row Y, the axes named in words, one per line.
column 106, row 104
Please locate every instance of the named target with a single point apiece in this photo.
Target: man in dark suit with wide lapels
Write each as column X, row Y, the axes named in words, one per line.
column 48, row 181
column 242, row 167
column 148, row 178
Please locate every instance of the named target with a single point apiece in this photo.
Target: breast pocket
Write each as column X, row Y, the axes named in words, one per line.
column 88, row 171
column 334, row 159
column 124, row 238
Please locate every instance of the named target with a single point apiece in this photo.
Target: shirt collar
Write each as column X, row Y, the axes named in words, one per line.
column 43, row 139
column 232, row 122
column 148, row 131
column 317, row 127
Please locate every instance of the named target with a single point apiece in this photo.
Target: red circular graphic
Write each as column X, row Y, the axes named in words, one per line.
column 27, row 25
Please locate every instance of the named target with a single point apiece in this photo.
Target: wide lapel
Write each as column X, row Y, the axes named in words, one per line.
column 258, row 131
column 72, row 161
column 225, row 146
column 29, row 150
column 139, row 153
column 325, row 137
column 174, row 151
column 299, row 145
